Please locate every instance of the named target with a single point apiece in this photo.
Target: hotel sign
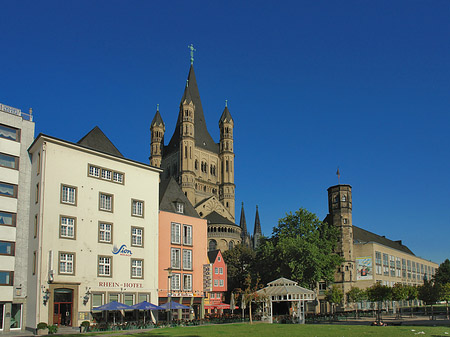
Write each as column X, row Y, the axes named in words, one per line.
column 120, row 285
column 207, row 277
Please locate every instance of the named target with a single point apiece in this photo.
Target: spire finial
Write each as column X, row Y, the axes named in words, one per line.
column 256, row 207
column 242, row 204
column 157, row 107
column 339, row 176
column 192, row 49
column 226, row 103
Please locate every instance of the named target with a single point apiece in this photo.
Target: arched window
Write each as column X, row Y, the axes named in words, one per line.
column 231, row 245
column 212, row 245
column 344, row 197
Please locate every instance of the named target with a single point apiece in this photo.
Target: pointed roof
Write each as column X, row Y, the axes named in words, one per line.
column 212, row 255
column 170, row 194
column 226, row 116
column 243, row 223
column 96, row 140
column 202, row 137
column 216, row 218
column 186, row 95
column 157, row 120
column 257, row 229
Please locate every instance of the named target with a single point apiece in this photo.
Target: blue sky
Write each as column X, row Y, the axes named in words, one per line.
column 311, row 85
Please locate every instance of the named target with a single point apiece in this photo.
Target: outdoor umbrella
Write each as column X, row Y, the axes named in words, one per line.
column 146, row 306
column 113, row 306
column 173, row 305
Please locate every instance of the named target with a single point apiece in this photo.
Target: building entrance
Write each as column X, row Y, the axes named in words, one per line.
column 62, row 306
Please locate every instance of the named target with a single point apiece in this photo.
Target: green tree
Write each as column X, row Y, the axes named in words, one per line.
column 334, row 296
column 239, row 261
column 400, row 292
column 379, row 293
column 442, row 274
column 429, row 292
column 356, row 295
column 445, row 296
column 413, row 293
column 300, row 249
column 249, row 294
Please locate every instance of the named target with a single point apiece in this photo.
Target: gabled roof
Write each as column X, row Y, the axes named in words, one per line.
column 96, row 140
column 362, row 236
column 212, row 255
column 284, row 286
column 170, row 194
column 202, row 137
column 216, row 218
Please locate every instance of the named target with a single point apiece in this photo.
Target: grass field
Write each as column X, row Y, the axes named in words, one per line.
column 275, row 330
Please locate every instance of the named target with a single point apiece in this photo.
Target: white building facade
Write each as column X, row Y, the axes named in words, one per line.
column 16, row 135
column 94, row 237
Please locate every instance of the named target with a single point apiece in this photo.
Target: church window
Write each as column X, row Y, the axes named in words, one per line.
column 185, row 152
column 345, row 220
column 212, row 245
column 227, row 204
column 196, row 164
column 344, row 197
column 335, row 199
column 226, row 164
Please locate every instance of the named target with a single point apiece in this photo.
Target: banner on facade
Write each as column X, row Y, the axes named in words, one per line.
column 364, row 269
column 207, row 277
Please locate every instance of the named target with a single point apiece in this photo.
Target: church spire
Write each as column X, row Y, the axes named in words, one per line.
column 257, row 230
column 243, row 223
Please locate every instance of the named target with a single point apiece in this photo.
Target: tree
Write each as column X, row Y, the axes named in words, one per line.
column 379, row 293
column 239, row 261
column 356, row 295
column 249, row 294
column 445, row 296
column 413, row 293
column 442, row 274
column 400, row 292
column 334, row 295
column 301, row 249
column 429, row 292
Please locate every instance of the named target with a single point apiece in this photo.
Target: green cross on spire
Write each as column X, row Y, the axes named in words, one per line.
column 191, row 48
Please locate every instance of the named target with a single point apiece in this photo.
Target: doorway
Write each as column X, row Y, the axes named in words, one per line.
column 63, row 306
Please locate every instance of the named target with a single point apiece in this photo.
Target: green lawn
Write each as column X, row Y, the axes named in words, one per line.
column 276, row 330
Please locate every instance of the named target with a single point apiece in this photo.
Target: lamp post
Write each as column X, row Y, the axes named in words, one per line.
column 169, row 294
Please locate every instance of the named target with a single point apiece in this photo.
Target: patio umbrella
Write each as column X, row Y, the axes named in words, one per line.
column 146, row 306
column 173, row 305
column 113, row 306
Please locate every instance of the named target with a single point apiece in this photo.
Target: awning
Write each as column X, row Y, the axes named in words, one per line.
column 218, row 306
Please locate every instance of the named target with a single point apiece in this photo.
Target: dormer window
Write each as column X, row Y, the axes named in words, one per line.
column 180, row 207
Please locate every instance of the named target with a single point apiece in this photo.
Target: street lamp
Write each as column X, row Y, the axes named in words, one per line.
column 169, row 294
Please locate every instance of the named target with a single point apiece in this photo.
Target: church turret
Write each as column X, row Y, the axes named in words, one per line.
column 157, row 129
column 226, row 156
column 257, row 230
column 187, row 140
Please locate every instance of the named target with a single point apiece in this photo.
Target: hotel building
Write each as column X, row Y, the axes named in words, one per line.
column 93, row 229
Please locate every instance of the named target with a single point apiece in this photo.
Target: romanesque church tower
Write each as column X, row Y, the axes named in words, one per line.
column 340, row 215
column 203, row 168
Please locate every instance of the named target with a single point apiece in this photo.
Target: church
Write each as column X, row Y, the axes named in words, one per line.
column 203, row 168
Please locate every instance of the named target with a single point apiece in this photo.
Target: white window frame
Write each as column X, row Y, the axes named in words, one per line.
column 68, row 195
column 187, row 282
column 105, row 202
column 106, row 174
column 220, row 270
column 216, row 283
column 175, row 258
column 137, row 208
column 137, row 237
column 216, row 270
column 66, row 263
column 187, row 259
column 94, row 171
column 137, row 268
column 118, row 177
column 104, row 266
column 187, row 235
column 175, row 233
column 65, row 225
column 175, row 280
column 221, row 283
column 179, row 207
column 105, row 231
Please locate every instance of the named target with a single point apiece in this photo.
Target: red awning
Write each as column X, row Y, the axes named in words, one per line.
column 219, row 306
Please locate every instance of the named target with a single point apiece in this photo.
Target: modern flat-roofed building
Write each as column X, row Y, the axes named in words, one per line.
column 93, row 229
column 16, row 135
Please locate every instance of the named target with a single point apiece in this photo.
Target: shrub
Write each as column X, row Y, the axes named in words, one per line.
column 85, row 325
column 52, row 329
column 42, row 326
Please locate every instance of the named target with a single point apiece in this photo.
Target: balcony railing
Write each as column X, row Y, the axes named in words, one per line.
column 17, row 112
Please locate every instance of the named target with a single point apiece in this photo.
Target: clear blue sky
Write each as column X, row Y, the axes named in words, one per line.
column 311, row 85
